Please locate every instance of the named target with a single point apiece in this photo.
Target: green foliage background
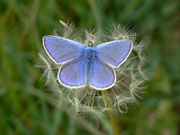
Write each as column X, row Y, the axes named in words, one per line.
column 25, row 108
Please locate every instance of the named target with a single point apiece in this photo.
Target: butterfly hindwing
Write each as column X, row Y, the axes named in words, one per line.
column 115, row 52
column 62, row 50
column 102, row 76
column 72, row 74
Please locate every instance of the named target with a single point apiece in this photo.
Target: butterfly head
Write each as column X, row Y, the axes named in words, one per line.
column 90, row 44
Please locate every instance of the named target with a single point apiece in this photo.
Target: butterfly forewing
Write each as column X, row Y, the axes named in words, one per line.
column 62, row 50
column 114, row 53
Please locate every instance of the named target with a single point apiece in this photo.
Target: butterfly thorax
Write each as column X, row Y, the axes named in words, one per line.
column 89, row 55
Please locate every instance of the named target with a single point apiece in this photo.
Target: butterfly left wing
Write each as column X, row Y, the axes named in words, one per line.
column 115, row 52
column 61, row 50
column 102, row 76
column 72, row 74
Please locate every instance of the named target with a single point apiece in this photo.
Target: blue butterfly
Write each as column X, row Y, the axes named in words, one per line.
column 81, row 65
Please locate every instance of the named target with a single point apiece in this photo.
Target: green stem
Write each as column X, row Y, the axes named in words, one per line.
column 112, row 116
column 97, row 15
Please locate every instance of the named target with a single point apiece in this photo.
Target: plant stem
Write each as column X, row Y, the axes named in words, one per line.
column 112, row 115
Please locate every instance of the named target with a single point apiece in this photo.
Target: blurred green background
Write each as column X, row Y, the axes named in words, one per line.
column 24, row 110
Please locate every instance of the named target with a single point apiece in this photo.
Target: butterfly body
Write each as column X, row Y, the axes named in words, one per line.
column 89, row 58
column 81, row 65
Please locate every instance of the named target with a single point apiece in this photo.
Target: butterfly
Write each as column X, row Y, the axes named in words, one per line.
column 87, row 65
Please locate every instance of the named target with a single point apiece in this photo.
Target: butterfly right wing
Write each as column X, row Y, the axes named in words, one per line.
column 115, row 52
column 73, row 74
column 61, row 50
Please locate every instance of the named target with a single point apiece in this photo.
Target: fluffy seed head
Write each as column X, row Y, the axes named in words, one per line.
column 128, row 86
